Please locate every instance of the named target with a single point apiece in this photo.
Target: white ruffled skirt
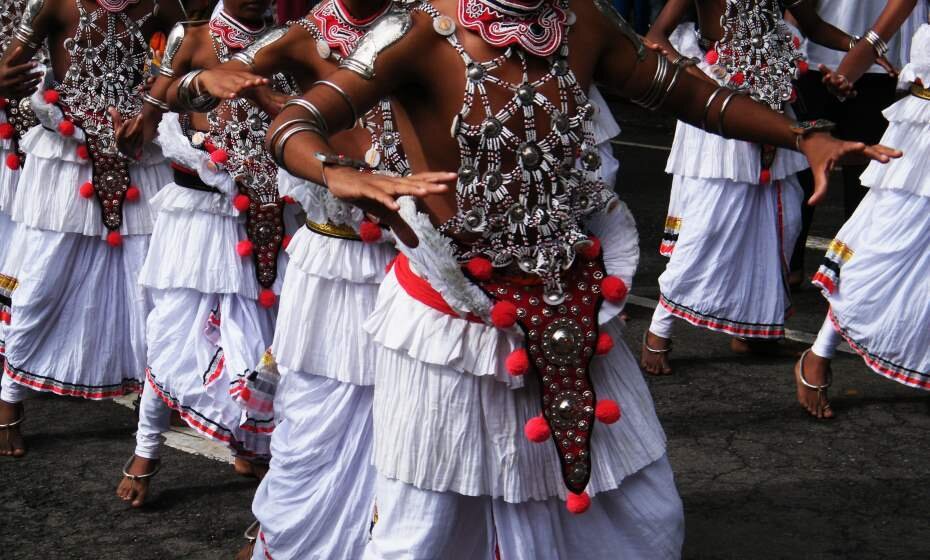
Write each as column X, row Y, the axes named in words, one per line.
column 728, row 245
column 317, row 500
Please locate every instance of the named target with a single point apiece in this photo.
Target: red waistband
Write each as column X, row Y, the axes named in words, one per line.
column 420, row 290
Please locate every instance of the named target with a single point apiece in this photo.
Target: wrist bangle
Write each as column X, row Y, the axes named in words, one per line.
column 710, row 101
column 853, row 39
column 804, row 129
column 155, row 102
column 723, row 111
column 879, row 45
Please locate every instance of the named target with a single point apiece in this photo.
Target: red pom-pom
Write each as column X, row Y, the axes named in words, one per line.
column 6, row 317
column 241, row 202
column 244, row 248
column 518, row 362
column 288, row 199
column 578, row 503
column 114, row 239
column 286, row 241
column 765, row 176
column 7, row 131
column 604, row 344
column 711, row 57
column 133, row 193
column 267, row 298
column 86, row 190
column 592, row 251
column 738, row 79
column 614, row 289
column 537, row 429
column 504, row 314
column 12, row 161
column 803, row 66
column 66, row 128
column 794, row 95
column 51, row 96
column 480, row 268
column 796, row 41
column 369, row 231
column 219, row 157
column 82, row 152
column 4, row 102
column 607, row 411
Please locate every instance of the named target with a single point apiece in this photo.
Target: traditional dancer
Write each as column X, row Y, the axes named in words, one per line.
column 735, row 206
column 875, row 272
column 213, row 268
column 82, row 209
column 451, row 403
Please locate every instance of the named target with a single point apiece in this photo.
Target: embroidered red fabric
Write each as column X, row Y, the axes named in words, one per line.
column 536, row 26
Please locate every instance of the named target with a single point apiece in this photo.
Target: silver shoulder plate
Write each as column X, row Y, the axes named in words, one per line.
column 172, row 46
column 247, row 55
column 614, row 17
column 384, row 33
column 26, row 32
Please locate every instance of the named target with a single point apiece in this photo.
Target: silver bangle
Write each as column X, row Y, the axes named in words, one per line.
column 671, row 85
column 853, row 39
column 310, row 108
column 154, row 101
column 710, row 101
column 723, row 111
column 199, row 102
column 654, row 94
column 345, row 96
column 880, row 46
column 281, row 143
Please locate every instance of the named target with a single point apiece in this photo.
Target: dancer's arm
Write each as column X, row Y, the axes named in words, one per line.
column 18, row 75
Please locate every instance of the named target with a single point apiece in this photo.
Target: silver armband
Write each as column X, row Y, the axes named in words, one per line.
column 26, row 32
column 315, row 113
column 709, row 103
column 614, row 17
column 248, row 54
column 342, row 93
column 155, row 102
column 723, row 111
column 384, row 33
column 878, row 44
column 172, row 46
column 190, row 98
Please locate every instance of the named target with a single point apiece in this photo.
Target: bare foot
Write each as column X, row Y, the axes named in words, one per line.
column 134, row 488
column 11, row 439
column 654, row 360
column 817, row 373
column 761, row 347
column 250, row 469
column 245, row 553
column 251, row 535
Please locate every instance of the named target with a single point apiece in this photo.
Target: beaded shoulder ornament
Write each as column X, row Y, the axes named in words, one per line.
column 19, row 115
column 237, row 142
column 107, row 69
column 337, row 33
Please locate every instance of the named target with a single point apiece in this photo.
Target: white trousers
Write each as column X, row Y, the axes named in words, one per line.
column 154, row 420
column 827, row 340
column 643, row 519
column 11, row 391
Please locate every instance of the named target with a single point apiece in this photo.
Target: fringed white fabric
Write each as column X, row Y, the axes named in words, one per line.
column 177, row 148
column 318, row 498
column 339, row 259
column 907, row 131
column 445, row 421
column 316, row 200
column 47, row 195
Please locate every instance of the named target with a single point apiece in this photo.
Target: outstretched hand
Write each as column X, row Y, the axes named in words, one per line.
column 228, row 84
column 20, row 80
column 377, row 194
column 823, row 152
column 837, row 84
column 130, row 134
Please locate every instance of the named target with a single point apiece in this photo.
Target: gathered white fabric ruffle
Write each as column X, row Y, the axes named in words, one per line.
column 907, row 131
column 918, row 69
column 332, row 258
column 319, row 204
column 79, row 314
column 47, row 195
column 700, row 154
column 616, row 228
column 317, row 500
column 176, row 147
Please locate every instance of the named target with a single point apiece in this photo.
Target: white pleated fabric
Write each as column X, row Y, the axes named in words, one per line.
column 907, row 131
column 643, row 519
column 726, row 271
column 79, row 314
column 317, row 500
column 9, row 178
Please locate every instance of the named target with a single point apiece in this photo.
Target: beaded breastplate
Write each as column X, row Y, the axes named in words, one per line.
column 530, row 213
column 107, row 64
column 337, row 33
column 237, row 131
column 18, row 112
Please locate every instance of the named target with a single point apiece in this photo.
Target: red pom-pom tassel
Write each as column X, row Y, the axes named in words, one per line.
column 369, row 231
column 518, row 362
column 4, row 102
column 241, row 202
column 6, row 317
column 86, row 190
column 12, row 161
column 537, row 429
column 244, row 248
column 219, row 156
column 133, row 193
column 712, row 57
column 245, row 394
column 504, row 314
column 480, row 268
column 592, row 251
column 288, row 200
column 604, row 344
column 286, row 241
column 765, row 177
column 66, row 128
column 114, row 239
column 267, row 298
column 7, row 131
column 803, row 66
column 738, row 79
column 578, row 503
column 614, row 289
column 607, row 411
column 82, row 152
column 51, row 96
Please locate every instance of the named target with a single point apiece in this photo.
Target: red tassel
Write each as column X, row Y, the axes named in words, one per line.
column 241, row 202
column 578, row 503
column 614, row 289
column 51, row 96
column 480, row 268
column 369, row 231
column 12, row 161
column 607, row 411
column 244, row 248
column 537, row 429
column 765, row 176
column 504, row 314
column 66, row 128
column 593, row 250
column 267, row 298
column 6, row 317
column 518, row 362
column 712, row 57
column 133, row 193
column 738, row 79
column 86, row 190
column 219, row 156
column 7, row 131
column 114, row 239
column 604, row 344
column 82, row 152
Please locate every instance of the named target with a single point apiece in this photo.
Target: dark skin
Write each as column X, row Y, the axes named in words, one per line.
column 841, row 83
column 56, row 22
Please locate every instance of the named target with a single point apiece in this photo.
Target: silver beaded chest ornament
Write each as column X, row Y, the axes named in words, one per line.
column 531, row 254
column 336, row 34
column 236, row 141
column 19, row 115
column 108, row 57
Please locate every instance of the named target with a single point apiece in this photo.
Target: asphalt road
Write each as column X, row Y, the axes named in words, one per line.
column 759, row 479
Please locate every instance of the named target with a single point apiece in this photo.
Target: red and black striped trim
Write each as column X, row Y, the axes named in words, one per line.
column 52, row 385
column 736, row 328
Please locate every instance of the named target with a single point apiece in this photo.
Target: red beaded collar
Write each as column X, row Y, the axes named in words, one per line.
column 535, row 25
column 234, row 34
column 339, row 28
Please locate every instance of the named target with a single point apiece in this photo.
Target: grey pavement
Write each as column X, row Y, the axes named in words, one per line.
column 759, row 479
